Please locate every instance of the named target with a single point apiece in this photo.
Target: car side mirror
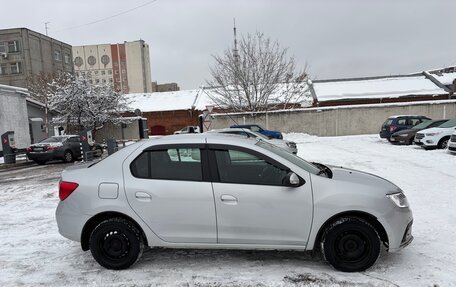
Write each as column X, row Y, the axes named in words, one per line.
column 293, row 180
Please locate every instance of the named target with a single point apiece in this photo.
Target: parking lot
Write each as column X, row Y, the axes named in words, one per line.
column 32, row 252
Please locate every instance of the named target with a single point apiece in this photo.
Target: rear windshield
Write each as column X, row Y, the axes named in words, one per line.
column 388, row 122
column 449, row 124
column 54, row 140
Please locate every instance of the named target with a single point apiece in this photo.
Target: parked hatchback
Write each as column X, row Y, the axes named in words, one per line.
column 221, row 191
column 397, row 123
column 452, row 144
column 406, row 136
column 259, row 129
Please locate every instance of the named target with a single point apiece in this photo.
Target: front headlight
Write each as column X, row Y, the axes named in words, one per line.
column 399, row 199
column 433, row 134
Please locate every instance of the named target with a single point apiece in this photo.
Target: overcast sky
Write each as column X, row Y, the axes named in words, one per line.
column 337, row 38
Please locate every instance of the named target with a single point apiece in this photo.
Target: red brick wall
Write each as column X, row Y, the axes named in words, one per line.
column 172, row 120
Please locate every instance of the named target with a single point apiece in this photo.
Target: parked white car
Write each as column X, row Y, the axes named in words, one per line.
column 188, row 130
column 286, row 145
column 436, row 137
column 452, row 143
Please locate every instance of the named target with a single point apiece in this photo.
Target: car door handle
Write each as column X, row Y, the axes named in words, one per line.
column 143, row 196
column 228, row 199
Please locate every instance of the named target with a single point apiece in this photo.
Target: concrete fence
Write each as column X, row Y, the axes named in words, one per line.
column 337, row 121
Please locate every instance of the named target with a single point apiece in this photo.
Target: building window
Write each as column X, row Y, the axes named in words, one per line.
column 124, row 71
column 110, row 80
column 57, row 55
column 78, row 61
column 97, row 81
column 2, row 47
column 16, row 68
column 91, row 60
column 13, row 46
column 3, row 69
column 103, row 72
column 117, row 79
column 109, row 72
column 116, row 63
column 104, row 81
column 122, row 63
column 67, row 58
column 116, row 72
column 96, row 72
column 124, row 79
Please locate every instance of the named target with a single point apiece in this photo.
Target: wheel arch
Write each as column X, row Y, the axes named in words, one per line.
column 100, row 217
column 442, row 139
column 372, row 220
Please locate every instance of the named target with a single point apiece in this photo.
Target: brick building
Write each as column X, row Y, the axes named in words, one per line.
column 168, row 112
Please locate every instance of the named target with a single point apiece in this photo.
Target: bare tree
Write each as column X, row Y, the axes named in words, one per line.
column 259, row 78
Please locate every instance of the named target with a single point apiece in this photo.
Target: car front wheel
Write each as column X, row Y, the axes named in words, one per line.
column 443, row 143
column 116, row 244
column 350, row 244
column 67, row 156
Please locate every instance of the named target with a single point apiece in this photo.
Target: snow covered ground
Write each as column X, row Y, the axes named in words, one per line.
column 33, row 253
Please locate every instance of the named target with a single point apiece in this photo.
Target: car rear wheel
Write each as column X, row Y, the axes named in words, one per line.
column 443, row 143
column 350, row 244
column 67, row 156
column 116, row 244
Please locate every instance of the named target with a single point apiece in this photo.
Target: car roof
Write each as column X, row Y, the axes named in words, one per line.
column 203, row 138
column 406, row 116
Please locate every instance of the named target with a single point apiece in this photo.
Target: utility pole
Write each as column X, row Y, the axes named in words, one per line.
column 235, row 49
column 46, row 27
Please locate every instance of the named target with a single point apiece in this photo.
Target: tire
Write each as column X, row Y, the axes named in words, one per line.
column 98, row 152
column 116, row 244
column 443, row 143
column 68, row 156
column 350, row 244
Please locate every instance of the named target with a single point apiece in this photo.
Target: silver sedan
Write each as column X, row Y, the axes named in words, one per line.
column 222, row 191
column 285, row 144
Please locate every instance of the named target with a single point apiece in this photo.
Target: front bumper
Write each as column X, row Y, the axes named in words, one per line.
column 384, row 134
column 452, row 147
column 426, row 142
column 399, row 229
column 400, row 140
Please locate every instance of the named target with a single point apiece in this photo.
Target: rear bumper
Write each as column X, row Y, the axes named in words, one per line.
column 400, row 140
column 44, row 156
column 384, row 134
column 70, row 222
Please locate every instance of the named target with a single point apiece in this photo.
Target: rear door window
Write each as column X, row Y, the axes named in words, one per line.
column 401, row 122
column 169, row 164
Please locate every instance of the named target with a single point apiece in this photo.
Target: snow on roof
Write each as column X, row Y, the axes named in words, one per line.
column 445, row 78
column 167, row 101
column 388, row 87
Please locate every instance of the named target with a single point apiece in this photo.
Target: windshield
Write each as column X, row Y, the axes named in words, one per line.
column 54, row 140
column 256, row 128
column 290, row 157
column 423, row 125
column 449, row 124
column 260, row 136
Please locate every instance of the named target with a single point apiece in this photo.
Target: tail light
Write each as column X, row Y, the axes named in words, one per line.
column 392, row 128
column 29, row 149
column 66, row 188
column 50, row 147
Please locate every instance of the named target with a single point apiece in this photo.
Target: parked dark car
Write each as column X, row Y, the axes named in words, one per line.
column 65, row 147
column 407, row 136
column 259, row 129
column 398, row 123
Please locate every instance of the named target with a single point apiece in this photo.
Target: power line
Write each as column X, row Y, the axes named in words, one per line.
column 109, row 17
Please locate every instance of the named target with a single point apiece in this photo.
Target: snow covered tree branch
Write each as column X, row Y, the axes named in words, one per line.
column 259, row 77
column 82, row 104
